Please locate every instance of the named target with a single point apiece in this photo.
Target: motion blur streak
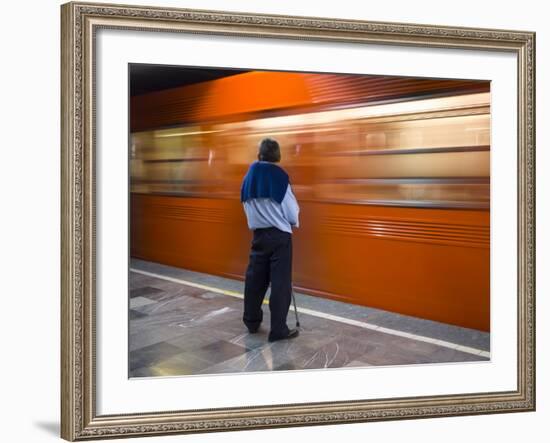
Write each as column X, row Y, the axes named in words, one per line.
column 392, row 175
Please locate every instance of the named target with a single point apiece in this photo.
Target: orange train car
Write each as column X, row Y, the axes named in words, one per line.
column 391, row 173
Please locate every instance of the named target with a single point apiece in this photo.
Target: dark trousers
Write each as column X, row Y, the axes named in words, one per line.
column 270, row 261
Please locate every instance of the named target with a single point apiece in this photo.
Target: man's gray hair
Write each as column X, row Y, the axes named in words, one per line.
column 269, row 150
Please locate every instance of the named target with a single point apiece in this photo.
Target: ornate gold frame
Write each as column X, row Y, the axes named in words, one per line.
column 78, row 414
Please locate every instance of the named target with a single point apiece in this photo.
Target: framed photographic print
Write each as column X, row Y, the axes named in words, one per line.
column 282, row 221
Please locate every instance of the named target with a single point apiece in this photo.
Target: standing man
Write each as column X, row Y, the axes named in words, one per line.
column 271, row 211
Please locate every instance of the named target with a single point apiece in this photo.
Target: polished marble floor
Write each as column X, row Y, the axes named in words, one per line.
column 187, row 323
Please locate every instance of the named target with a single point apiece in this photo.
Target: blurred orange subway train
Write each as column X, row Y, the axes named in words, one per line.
column 391, row 173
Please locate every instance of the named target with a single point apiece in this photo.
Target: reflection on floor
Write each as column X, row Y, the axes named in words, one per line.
column 187, row 323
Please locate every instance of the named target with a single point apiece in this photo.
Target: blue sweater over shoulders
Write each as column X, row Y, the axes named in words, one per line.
column 268, row 199
column 264, row 180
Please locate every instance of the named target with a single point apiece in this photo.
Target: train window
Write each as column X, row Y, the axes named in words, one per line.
column 423, row 152
column 375, row 140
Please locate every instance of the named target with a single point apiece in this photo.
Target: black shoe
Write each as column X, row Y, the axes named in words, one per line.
column 253, row 330
column 291, row 334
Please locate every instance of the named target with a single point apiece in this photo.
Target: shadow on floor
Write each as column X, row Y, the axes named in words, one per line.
column 50, row 427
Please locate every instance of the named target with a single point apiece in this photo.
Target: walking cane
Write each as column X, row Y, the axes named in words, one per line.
column 295, row 310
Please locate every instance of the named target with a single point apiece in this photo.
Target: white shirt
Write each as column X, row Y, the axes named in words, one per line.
column 266, row 212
